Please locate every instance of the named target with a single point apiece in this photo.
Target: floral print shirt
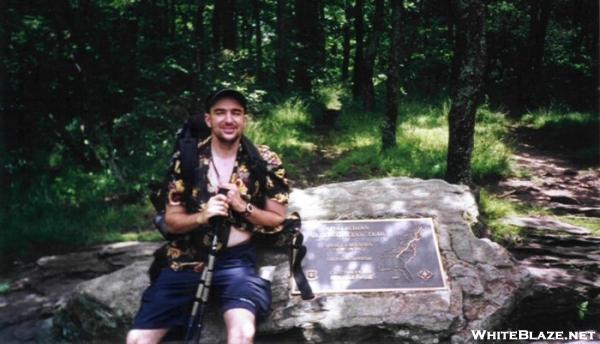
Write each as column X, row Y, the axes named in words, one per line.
column 190, row 249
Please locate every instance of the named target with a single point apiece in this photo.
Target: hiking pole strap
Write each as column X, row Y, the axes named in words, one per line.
column 298, row 251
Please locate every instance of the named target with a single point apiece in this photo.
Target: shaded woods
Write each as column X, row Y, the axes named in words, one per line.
column 92, row 91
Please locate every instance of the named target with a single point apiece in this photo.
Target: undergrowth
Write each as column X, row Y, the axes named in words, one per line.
column 69, row 206
column 421, row 144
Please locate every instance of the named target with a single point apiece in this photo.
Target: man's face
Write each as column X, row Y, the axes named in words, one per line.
column 226, row 120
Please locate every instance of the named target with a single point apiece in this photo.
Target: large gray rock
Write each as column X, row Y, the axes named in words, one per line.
column 484, row 282
column 40, row 289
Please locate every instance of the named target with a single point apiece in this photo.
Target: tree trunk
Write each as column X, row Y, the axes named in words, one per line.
column 164, row 19
column 216, row 26
column 346, row 44
column 388, row 132
column 467, row 94
column 531, row 70
column 368, row 89
column 359, row 62
column 229, row 25
column 258, row 39
column 201, row 48
column 452, row 41
column 282, row 59
column 172, row 18
column 246, row 20
column 224, row 25
column 310, row 42
column 129, row 77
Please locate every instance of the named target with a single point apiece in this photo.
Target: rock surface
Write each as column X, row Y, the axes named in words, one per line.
column 564, row 261
column 484, row 283
column 44, row 287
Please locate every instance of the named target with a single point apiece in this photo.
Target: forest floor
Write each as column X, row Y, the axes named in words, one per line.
column 327, row 155
column 548, row 178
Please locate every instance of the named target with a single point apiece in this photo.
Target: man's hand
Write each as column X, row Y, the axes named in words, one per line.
column 271, row 215
column 217, row 206
column 179, row 221
column 234, row 199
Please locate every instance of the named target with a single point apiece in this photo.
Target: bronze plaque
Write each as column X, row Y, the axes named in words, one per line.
column 372, row 256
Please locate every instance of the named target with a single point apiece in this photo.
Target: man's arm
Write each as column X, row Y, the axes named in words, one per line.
column 179, row 221
column 272, row 215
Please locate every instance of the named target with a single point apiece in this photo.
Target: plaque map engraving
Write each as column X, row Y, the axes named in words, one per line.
column 372, row 256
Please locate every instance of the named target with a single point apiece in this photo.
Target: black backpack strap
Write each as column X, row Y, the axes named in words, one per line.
column 188, row 146
column 296, row 254
column 298, row 251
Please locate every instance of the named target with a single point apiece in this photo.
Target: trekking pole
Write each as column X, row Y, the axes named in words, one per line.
column 196, row 322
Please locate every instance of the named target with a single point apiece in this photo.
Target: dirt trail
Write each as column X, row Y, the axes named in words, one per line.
column 550, row 180
column 315, row 173
column 562, row 259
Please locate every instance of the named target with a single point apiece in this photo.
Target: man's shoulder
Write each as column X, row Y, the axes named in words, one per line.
column 268, row 155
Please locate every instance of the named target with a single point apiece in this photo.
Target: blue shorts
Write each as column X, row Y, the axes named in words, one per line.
column 167, row 303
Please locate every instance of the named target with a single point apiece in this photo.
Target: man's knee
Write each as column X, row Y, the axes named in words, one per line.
column 133, row 337
column 241, row 332
column 145, row 336
column 240, row 326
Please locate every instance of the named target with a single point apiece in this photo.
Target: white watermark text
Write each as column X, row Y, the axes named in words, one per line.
column 532, row 335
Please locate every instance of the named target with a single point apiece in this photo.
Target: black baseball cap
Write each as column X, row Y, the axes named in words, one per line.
column 224, row 93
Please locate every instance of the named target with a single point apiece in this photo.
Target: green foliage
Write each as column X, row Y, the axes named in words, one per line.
column 582, row 310
column 493, row 209
column 66, row 211
column 94, row 92
column 146, row 235
column 4, row 287
column 590, row 223
column 421, row 144
column 557, row 119
column 330, row 97
column 287, row 129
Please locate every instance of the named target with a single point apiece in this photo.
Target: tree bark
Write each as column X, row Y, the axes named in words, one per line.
column 200, row 53
column 452, row 40
column 246, row 20
column 346, row 44
column 216, row 25
column 467, row 94
column 368, row 89
column 388, row 132
column 282, row 58
column 224, row 25
column 359, row 63
column 310, row 42
column 229, row 25
column 172, row 18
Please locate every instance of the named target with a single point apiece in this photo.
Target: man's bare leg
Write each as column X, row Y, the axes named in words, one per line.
column 240, row 324
column 146, row 336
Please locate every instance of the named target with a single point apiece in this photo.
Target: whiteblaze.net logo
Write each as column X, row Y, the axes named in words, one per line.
column 532, row 335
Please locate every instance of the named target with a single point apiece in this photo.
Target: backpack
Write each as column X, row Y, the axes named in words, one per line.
column 287, row 235
column 186, row 142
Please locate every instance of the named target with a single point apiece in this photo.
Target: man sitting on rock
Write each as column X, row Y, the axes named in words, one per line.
column 257, row 194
